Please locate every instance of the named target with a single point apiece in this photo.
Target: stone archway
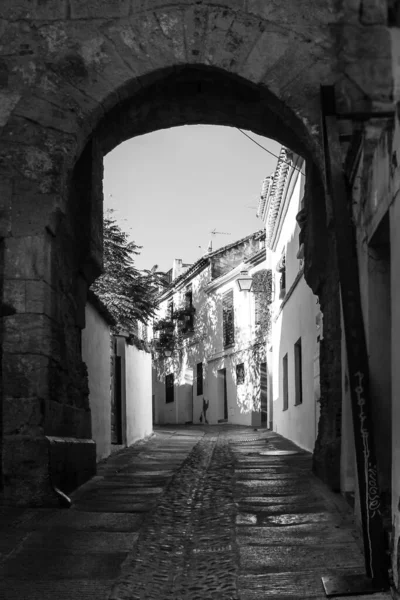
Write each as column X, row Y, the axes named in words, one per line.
column 79, row 78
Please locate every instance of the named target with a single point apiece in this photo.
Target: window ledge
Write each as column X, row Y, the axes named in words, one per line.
column 229, row 346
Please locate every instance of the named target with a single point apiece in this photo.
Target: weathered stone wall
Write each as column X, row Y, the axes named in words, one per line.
column 76, row 79
column 321, row 275
column 223, row 263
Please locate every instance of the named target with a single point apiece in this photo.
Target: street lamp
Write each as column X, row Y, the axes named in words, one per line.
column 244, row 281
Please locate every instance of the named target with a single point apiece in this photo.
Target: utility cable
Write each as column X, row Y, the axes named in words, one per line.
column 269, row 151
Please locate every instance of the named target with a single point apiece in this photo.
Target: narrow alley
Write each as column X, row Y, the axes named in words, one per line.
column 198, row 512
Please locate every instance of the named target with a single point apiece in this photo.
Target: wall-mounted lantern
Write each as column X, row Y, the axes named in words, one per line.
column 244, row 281
column 167, row 353
column 257, row 284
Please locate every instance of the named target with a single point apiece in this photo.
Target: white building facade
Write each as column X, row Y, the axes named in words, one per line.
column 296, row 322
column 216, row 370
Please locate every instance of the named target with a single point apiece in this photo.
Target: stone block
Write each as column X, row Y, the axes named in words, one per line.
column 61, row 117
column 36, row 9
column 26, row 472
column 77, row 420
column 23, row 416
column 25, row 375
column 31, row 334
column 373, row 77
column 28, row 257
column 358, row 43
column 195, row 24
column 66, row 420
column 270, row 47
column 32, row 212
column 14, row 294
column 99, row 9
column 31, row 296
column 373, row 12
column 5, row 207
column 72, row 461
column 40, row 298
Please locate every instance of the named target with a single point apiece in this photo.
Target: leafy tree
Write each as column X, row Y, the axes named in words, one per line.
column 129, row 294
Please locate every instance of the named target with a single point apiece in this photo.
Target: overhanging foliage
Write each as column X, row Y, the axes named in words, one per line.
column 129, row 294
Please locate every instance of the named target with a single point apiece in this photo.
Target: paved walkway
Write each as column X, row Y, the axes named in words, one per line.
column 194, row 513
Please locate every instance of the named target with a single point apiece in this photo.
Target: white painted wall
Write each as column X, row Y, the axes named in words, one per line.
column 297, row 320
column 138, row 394
column 294, row 320
column 96, row 354
column 206, row 346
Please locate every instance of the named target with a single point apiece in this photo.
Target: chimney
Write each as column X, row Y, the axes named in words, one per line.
column 176, row 268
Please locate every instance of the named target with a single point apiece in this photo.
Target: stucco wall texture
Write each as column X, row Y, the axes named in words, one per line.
column 138, row 394
column 97, row 355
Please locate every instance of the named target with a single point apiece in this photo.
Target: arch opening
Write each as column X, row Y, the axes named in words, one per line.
column 179, row 96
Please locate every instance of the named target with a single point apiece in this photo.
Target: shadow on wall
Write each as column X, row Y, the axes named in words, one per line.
column 205, row 342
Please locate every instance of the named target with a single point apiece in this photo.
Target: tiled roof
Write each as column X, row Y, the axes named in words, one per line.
column 204, row 260
column 266, row 184
column 275, row 192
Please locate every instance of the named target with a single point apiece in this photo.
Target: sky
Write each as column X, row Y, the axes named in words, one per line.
column 171, row 188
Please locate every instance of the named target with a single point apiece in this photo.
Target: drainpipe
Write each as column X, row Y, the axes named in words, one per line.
column 357, row 357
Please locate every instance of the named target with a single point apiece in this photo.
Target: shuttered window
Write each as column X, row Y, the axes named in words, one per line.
column 228, row 324
column 199, row 379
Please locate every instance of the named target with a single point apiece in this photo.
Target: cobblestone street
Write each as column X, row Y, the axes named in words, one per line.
column 194, row 513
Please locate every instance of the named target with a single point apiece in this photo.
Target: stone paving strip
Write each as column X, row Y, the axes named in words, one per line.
column 194, row 513
column 57, row 553
column 290, row 529
column 187, row 549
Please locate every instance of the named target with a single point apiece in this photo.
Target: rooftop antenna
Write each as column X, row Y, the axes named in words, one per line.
column 215, row 232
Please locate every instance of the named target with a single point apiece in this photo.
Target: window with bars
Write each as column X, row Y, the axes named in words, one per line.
column 228, row 325
column 285, row 382
column 199, row 379
column 169, row 388
column 240, row 374
column 189, row 319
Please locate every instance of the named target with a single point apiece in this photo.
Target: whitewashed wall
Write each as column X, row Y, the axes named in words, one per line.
column 96, row 354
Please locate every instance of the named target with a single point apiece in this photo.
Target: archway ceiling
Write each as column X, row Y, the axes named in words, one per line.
column 66, row 64
column 194, row 95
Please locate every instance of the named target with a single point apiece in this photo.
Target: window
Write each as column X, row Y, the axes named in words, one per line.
column 170, row 310
column 283, row 284
column 240, row 374
column 285, row 382
column 281, row 268
column 228, row 319
column 298, row 372
column 169, row 388
column 189, row 319
column 199, row 379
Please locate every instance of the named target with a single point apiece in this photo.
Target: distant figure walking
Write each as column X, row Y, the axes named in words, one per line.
column 206, row 404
